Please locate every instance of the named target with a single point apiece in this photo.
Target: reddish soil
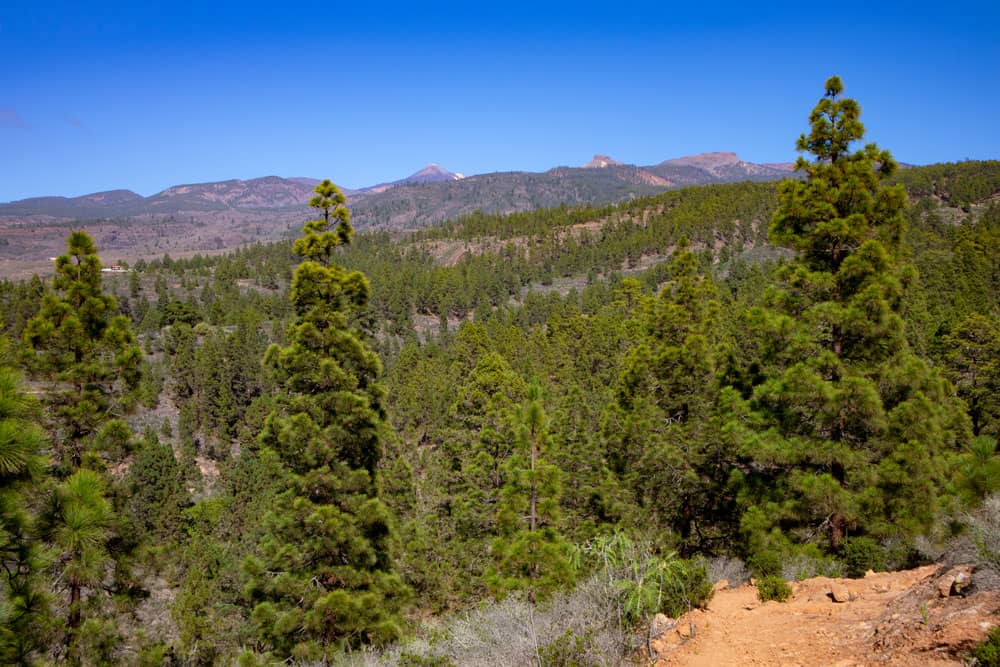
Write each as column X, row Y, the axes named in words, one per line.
column 892, row 618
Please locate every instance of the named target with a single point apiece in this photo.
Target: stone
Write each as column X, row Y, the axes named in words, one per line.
column 661, row 623
column 962, row 581
column 685, row 631
column 955, row 580
column 839, row 593
column 720, row 585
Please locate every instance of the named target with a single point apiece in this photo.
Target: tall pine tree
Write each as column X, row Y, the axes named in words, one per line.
column 530, row 552
column 88, row 355
column 846, row 430
column 662, row 425
column 324, row 578
column 85, row 350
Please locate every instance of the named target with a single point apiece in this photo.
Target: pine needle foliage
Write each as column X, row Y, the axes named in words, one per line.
column 78, row 524
column 23, row 605
column 85, row 350
column 324, row 579
column 531, row 554
column 846, row 431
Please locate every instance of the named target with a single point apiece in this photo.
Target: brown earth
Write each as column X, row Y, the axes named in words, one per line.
column 891, row 618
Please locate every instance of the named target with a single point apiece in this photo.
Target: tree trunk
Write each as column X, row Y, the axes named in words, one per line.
column 73, row 620
column 838, row 526
column 534, row 499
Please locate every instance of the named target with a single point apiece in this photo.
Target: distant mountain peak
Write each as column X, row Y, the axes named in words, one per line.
column 431, row 168
column 601, row 161
column 431, row 173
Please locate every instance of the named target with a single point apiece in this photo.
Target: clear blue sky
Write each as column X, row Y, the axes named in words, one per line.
column 103, row 95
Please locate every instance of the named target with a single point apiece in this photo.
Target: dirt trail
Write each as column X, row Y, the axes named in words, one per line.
column 892, row 618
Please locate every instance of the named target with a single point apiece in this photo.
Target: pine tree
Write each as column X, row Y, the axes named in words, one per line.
column 156, row 490
column 89, row 357
column 846, row 430
column 479, row 446
column 84, row 349
column 23, row 606
column 663, row 424
column 324, row 577
column 78, row 524
column 530, row 552
column 973, row 363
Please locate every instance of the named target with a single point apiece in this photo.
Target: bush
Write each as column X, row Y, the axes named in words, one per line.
column 593, row 624
column 415, row 660
column 732, row 570
column 765, row 563
column 985, row 525
column 690, row 588
column 809, row 561
column 96, row 643
column 669, row 585
column 571, row 649
column 578, row 627
column 773, row 588
column 987, row 654
column 861, row 554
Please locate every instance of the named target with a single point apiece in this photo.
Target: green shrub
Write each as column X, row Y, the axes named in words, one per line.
column 861, row 554
column 414, row 660
column 773, row 588
column 987, row 654
column 690, row 589
column 156, row 655
column 809, row 561
column 96, row 643
column 571, row 649
column 670, row 585
column 765, row 563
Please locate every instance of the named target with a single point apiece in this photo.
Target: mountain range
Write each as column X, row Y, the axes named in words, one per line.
column 201, row 217
column 273, row 192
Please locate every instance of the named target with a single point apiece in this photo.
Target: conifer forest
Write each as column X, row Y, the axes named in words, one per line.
column 378, row 447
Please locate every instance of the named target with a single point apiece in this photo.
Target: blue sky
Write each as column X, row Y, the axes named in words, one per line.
column 96, row 96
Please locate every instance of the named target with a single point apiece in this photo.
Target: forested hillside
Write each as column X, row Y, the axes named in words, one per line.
column 328, row 450
column 213, row 217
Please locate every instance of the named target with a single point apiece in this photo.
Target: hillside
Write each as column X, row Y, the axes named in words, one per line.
column 211, row 217
column 656, row 344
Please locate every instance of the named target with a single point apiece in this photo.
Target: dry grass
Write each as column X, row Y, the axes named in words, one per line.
column 514, row 632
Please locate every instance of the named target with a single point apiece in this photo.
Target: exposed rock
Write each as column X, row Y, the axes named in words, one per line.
column 661, row 623
column 962, row 581
column 601, row 161
column 721, row 585
column 840, row 593
column 955, row 580
column 685, row 631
